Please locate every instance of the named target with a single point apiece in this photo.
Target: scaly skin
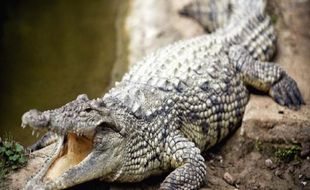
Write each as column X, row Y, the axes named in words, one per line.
column 175, row 103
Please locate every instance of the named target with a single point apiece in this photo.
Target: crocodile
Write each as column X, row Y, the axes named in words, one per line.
column 169, row 107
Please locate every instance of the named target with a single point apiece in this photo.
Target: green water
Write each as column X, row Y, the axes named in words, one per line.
column 51, row 51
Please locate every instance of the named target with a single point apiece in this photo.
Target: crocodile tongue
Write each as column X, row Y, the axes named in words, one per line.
column 74, row 151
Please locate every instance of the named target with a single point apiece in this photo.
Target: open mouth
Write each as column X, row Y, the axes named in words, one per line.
column 74, row 150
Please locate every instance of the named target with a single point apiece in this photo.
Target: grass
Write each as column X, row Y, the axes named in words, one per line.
column 12, row 156
column 286, row 153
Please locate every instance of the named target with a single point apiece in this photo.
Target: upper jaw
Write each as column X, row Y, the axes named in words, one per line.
column 57, row 123
column 73, row 117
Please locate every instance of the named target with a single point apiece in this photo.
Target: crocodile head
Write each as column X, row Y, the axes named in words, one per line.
column 90, row 143
column 80, row 116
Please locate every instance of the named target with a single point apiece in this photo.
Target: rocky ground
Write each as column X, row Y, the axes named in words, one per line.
column 271, row 148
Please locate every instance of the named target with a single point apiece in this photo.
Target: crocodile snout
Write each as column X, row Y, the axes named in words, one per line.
column 35, row 119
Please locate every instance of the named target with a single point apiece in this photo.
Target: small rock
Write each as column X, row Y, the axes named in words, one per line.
column 278, row 173
column 228, row 178
column 220, row 159
column 269, row 163
column 291, row 169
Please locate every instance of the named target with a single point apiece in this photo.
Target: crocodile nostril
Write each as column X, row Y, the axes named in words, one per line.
column 35, row 118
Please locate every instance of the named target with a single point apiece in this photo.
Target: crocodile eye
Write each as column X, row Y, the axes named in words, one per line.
column 88, row 110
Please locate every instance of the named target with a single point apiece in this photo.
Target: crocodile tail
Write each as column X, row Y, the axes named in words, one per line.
column 252, row 28
column 237, row 22
column 210, row 14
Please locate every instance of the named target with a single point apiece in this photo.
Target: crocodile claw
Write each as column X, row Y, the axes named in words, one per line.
column 286, row 93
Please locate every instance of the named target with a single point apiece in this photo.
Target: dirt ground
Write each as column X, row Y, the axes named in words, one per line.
column 271, row 148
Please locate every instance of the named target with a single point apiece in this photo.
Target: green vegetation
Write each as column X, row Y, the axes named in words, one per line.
column 274, row 18
column 258, row 145
column 12, row 156
column 281, row 153
column 288, row 154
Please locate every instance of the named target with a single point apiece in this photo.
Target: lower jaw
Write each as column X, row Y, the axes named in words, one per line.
column 74, row 151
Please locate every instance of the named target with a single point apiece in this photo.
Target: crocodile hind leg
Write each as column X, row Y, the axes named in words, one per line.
column 267, row 77
column 47, row 139
column 190, row 169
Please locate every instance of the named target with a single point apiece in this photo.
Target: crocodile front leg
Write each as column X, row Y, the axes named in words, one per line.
column 190, row 169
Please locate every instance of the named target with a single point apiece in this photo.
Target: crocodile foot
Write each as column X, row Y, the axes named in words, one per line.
column 286, row 93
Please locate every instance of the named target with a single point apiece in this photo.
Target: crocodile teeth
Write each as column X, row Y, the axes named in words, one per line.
column 23, row 125
column 32, row 132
